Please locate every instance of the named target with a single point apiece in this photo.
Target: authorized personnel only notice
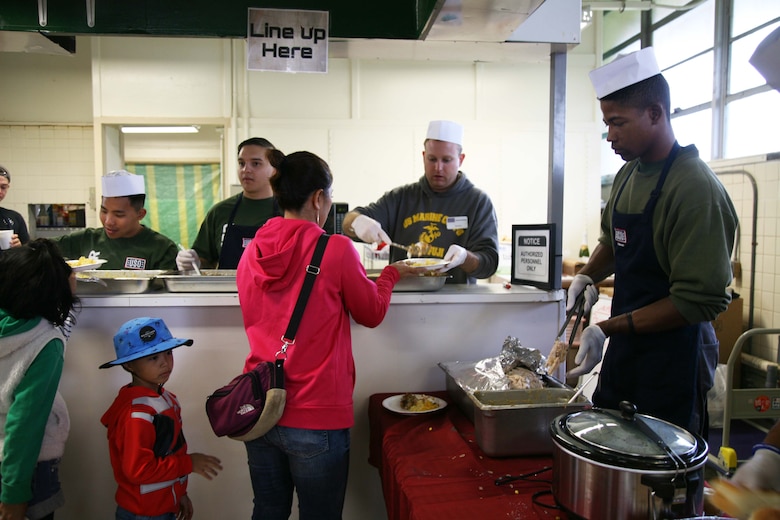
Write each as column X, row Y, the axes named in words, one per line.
column 531, row 254
column 285, row 40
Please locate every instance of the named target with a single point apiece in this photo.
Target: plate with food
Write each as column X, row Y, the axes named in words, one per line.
column 85, row 263
column 414, row 404
column 427, row 263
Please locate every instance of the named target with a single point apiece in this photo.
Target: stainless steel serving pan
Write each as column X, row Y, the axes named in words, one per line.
column 119, row 281
column 209, row 280
column 511, row 423
column 426, row 283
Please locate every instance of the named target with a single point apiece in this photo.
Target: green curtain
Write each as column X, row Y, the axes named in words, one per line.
column 178, row 197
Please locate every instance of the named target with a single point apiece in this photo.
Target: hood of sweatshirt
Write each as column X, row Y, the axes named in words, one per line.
column 10, row 326
column 274, row 256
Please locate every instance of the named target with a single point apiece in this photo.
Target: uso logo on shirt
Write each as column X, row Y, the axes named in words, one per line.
column 135, row 263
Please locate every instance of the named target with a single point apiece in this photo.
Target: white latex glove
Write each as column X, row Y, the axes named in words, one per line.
column 582, row 282
column 185, row 260
column 589, row 353
column 369, row 230
column 762, row 471
column 456, row 255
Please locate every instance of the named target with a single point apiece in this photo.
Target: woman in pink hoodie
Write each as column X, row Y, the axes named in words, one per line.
column 308, row 450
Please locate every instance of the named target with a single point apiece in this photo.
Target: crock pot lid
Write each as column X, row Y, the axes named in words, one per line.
column 611, row 433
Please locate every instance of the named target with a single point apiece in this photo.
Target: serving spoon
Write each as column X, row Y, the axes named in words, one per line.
column 415, row 250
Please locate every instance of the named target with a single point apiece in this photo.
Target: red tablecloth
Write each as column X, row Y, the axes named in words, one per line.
column 432, row 468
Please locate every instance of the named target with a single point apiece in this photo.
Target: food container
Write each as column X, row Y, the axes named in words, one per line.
column 426, row 283
column 209, row 280
column 620, row 464
column 509, row 423
column 120, row 281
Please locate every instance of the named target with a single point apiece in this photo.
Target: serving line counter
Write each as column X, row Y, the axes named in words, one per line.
column 457, row 323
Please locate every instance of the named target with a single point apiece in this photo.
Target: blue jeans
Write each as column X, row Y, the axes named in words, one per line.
column 314, row 463
column 124, row 514
column 46, row 490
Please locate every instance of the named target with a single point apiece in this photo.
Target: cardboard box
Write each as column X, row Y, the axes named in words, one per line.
column 728, row 327
column 571, row 266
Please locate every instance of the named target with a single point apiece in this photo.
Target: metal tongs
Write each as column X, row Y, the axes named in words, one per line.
column 579, row 309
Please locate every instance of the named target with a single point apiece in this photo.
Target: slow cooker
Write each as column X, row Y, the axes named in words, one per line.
column 620, row 464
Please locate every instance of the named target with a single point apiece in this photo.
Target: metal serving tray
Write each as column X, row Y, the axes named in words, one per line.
column 119, row 281
column 427, row 283
column 209, row 280
column 510, row 423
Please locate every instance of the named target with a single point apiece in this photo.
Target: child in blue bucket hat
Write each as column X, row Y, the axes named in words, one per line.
column 145, row 438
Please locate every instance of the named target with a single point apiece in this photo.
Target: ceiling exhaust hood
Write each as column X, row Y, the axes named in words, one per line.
column 37, row 42
column 479, row 20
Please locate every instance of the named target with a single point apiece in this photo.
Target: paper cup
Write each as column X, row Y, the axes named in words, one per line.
column 5, row 238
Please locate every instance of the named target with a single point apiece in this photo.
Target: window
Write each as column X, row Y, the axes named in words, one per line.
column 743, row 75
column 751, row 125
column 685, row 48
column 686, row 93
column 695, row 128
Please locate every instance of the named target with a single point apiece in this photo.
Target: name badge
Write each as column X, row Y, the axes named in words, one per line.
column 621, row 237
column 457, row 222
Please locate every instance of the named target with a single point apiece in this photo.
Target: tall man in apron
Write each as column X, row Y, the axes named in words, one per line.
column 667, row 234
column 232, row 223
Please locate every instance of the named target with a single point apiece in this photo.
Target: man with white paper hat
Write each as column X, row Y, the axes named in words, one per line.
column 443, row 211
column 123, row 242
column 667, row 232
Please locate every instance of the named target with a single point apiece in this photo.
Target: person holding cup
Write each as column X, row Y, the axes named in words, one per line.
column 10, row 220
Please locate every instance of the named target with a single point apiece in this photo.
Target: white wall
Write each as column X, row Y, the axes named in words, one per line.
column 366, row 117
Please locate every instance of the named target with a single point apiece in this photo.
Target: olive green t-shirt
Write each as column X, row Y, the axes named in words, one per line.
column 251, row 212
column 146, row 250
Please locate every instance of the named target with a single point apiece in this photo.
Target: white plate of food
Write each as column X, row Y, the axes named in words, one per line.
column 429, row 264
column 85, row 264
column 414, row 404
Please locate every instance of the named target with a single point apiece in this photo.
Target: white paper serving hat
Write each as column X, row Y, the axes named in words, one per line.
column 122, row 183
column 766, row 58
column 449, row 131
column 624, row 71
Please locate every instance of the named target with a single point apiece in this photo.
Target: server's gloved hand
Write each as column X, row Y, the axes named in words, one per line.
column 761, row 471
column 369, row 230
column 580, row 283
column 589, row 353
column 185, row 260
column 455, row 256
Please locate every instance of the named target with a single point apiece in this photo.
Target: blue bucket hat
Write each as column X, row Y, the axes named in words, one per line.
column 141, row 337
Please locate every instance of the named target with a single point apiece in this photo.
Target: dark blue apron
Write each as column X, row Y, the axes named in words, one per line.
column 235, row 239
column 657, row 371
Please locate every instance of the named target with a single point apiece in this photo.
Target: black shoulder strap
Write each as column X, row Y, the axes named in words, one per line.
column 312, row 270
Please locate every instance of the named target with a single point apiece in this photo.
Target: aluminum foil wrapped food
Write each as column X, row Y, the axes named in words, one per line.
column 516, row 367
column 514, row 355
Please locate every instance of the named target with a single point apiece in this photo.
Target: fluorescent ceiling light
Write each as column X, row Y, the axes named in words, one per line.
column 188, row 129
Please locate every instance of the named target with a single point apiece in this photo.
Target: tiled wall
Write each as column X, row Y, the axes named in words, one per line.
column 738, row 177
column 48, row 164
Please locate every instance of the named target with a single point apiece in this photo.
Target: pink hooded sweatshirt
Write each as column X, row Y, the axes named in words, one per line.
column 320, row 369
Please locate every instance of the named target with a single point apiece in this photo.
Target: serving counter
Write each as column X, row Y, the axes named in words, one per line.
column 457, row 323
